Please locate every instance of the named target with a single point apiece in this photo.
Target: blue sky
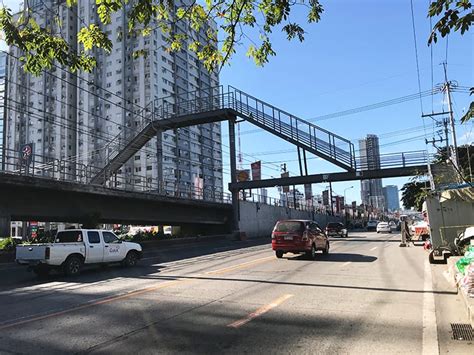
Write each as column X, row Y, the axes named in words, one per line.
column 362, row 52
column 359, row 54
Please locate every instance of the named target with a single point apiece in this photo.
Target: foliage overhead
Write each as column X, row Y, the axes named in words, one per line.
column 466, row 159
column 235, row 19
column 452, row 16
column 414, row 193
column 456, row 15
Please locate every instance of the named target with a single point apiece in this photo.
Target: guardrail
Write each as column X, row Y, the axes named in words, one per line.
column 394, row 160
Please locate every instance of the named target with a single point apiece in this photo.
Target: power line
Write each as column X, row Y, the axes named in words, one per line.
column 416, row 53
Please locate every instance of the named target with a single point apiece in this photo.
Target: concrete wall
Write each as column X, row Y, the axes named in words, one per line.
column 258, row 220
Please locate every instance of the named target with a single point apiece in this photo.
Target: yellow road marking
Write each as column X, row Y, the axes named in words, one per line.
column 94, row 303
column 259, row 312
column 240, row 266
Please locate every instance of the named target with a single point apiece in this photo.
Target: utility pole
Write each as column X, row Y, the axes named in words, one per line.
column 283, row 169
column 330, row 198
column 454, row 151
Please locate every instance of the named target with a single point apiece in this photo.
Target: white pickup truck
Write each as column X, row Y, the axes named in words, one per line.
column 73, row 248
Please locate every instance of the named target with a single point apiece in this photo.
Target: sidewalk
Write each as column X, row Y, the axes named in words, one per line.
column 450, row 309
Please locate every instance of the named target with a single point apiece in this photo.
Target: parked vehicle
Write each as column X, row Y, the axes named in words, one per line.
column 371, row 225
column 298, row 236
column 384, row 227
column 336, row 229
column 73, row 248
column 420, row 231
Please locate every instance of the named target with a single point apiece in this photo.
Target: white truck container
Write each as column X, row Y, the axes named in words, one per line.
column 73, row 248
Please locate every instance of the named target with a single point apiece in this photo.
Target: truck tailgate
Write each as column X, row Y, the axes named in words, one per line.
column 25, row 253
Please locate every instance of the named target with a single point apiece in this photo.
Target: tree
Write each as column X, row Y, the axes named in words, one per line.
column 44, row 45
column 456, row 15
column 466, row 159
column 414, row 193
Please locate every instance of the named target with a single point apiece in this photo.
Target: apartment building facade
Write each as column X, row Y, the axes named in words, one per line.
column 371, row 190
column 84, row 118
column 3, row 83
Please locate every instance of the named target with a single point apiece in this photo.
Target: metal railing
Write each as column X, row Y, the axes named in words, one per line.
column 269, row 116
column 42, row 166
column 394, row 160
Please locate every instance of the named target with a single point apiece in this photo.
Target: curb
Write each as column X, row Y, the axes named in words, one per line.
column 469, row 303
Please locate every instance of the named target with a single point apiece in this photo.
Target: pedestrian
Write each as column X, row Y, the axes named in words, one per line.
column 405, row 231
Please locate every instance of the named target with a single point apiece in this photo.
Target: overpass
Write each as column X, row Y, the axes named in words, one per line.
column 44, row 199
column 76, row 189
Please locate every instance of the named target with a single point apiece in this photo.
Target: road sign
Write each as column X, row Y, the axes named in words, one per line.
column 26, row 153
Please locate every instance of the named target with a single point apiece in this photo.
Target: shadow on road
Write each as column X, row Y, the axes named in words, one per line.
column 367, row 240
column 306, row 284
column 186, row 254
column 337, row 257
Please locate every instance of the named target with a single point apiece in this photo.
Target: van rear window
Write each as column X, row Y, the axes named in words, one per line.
column 289, row 227
column 69, row 237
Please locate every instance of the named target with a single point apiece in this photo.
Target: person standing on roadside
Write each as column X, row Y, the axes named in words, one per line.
column 405, row 231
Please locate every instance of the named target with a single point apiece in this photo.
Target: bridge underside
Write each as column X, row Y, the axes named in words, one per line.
column 333, row 177
column 29, row 198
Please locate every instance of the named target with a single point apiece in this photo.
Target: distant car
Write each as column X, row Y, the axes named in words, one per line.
column 298, row 236
column 384, row 227
column 337, row 229
column 371, row 225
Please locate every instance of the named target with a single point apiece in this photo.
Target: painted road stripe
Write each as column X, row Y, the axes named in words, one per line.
column 373, row 248
column 240, row 266
column 92, row 304
column 430, row 329
column 23, row 320
column 346, row 263
column 259, row 312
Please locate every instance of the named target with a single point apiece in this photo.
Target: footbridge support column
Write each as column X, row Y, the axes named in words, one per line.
column 233, row 178
column 5, row 221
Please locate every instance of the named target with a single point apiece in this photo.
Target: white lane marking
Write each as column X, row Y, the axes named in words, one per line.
column 345, row 264
column 373, row 248
column 430, row 329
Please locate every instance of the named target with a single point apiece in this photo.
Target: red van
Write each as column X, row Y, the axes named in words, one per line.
column 298, row 236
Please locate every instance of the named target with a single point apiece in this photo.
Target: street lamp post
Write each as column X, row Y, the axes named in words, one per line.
column 345, row 203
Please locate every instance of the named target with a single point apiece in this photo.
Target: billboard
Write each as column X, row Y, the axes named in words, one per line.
column 243, row 175
column 198, row 192
column 256, row 170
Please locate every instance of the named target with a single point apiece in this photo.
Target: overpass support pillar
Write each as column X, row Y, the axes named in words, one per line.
column 233, row 178
column 5, row 221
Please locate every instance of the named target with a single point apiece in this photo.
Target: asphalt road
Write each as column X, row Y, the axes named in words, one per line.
column 367, row 296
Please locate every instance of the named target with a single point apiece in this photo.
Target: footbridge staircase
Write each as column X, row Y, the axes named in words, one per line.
column 220, row 104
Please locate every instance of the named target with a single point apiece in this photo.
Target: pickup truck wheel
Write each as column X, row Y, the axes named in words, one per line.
column 131, row 259
column 72, row 266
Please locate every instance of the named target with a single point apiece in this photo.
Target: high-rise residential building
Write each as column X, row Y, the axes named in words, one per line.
column 390, row 193
column 371, row 190
column 3, row 71
column 82, row 117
